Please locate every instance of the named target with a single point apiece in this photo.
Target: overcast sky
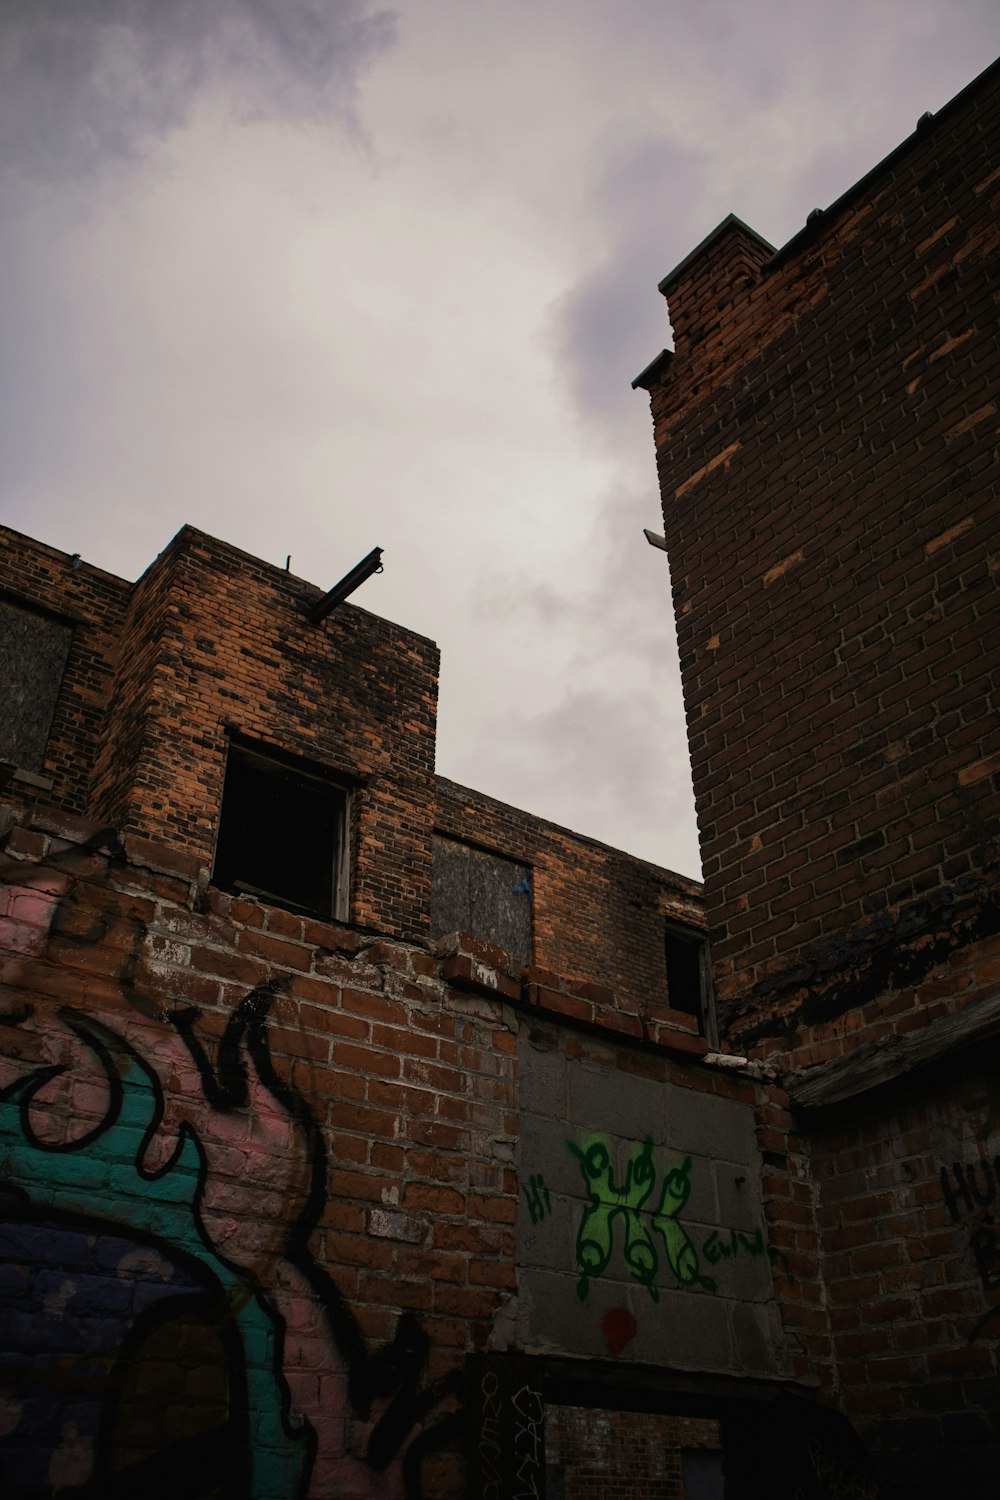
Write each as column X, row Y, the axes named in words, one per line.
column 315, row 276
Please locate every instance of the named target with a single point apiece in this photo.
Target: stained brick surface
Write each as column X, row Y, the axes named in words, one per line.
column 826, row 443
column 826, row 440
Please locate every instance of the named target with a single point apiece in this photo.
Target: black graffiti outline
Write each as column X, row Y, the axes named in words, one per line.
column 106, row 1044
column 395, row 1370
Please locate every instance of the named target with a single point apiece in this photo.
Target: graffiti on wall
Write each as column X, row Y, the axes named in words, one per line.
column 634, row 1207
column 642, row 1217
column 169, row 1323
column 538, row 1197
column 969, row 1191
column 505, row 1447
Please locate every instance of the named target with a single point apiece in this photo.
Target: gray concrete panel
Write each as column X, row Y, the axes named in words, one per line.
column 703, row 1124
column 544, row 1080
column 738, row 1188
column 685, row 1330
column 608, row 1102
column 758, row 1338
column 543, row 1152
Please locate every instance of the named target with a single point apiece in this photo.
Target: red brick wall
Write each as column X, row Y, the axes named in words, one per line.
column 907, row 1212
column 597, row 913
column 305, row 1134
column 826, row 443
column 211, row 640
column 218, row 639
column 825, row 438
column 345, row 1123
column 596, row 1453
column 94, row 603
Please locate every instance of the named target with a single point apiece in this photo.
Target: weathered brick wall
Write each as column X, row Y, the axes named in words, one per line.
column 138, row 691
column 217, row 639
column 592, row 1454
column 262, row 1185
column 907, row 1211
column 258, row 1169
column 597, row 913
column 825, row 437
column 211, row 639
column 94, row 603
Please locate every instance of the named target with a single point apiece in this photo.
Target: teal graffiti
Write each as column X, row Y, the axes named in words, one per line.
column 537, row 1194
column 631, row 1205
column 164, row 1203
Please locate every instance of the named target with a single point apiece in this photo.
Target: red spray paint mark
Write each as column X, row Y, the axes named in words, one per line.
column 618, row 1327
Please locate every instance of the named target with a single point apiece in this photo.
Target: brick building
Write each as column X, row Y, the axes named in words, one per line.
column 361, row 1135
column 351, row 1121
column 826, row 430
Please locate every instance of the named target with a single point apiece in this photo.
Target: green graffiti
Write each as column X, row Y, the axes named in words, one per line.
column 720, row 1246
column 630, row 1203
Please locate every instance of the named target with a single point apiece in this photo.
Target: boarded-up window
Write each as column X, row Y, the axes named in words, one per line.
column 482, row 894
column 33, row 652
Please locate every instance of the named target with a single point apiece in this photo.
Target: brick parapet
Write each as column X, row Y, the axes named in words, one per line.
column 95, row 604
column 598, row 913
column 219, row 641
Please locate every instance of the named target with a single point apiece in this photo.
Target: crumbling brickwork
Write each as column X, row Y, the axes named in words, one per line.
column 219, row 641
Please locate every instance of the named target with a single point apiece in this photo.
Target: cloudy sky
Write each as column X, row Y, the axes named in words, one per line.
column 318, row 275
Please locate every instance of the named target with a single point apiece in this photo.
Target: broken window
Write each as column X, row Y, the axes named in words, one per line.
column 33, row 652
column 483, row 894
column 689, row 976
column 283, row 833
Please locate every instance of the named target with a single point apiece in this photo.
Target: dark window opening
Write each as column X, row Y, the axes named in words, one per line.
column 283, row 834
column 702, row 1474
column 689, row 977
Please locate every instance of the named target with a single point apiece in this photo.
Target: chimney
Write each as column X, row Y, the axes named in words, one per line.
column 704, row 284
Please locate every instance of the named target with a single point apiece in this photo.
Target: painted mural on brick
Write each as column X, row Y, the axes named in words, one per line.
column 169, row 1325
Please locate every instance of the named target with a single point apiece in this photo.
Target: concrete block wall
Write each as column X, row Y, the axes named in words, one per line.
column 641, row 1228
